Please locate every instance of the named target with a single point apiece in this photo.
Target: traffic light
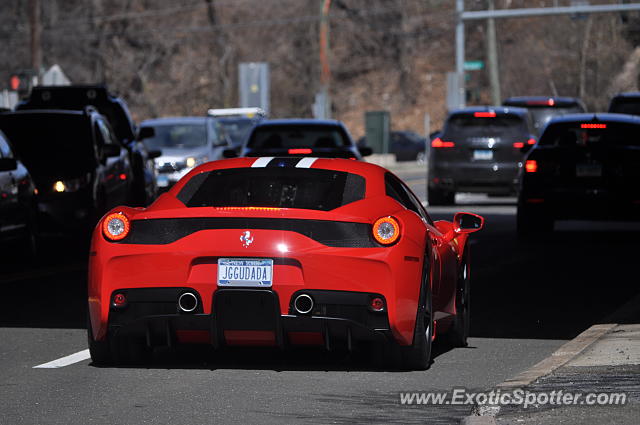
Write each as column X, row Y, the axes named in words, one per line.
column 21, row 81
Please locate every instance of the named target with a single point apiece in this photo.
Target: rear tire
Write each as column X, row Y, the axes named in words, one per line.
column 100, row 351
column 459, row 331
column 440, row 197
column 418, row 355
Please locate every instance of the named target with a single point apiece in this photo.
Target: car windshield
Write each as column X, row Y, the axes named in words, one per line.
column 541, row 115
column 178, row 136
column 591, row 134
column 51, row 144
column 627, row 106
column 238, row 129
column 467, row 125
column 297, row 136
column 313, row 189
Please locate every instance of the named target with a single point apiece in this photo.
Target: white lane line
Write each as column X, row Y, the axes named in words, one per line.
column 65, row 361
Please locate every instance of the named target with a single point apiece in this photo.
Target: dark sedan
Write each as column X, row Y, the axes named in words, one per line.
column 301, row 137
column 584, row 166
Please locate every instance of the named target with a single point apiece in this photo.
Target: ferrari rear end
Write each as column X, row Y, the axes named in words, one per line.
column 256, row 252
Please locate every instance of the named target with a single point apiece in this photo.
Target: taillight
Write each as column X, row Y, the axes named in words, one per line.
column 531, row 142
column 386, row 230
column 518, row 145
column 300, row 151
column 439, row 143
column 592, row 126
column 116, row 226
column 489, row 114
column 531, row 166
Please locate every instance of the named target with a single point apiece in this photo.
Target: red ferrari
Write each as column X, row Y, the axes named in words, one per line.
column 280, row 252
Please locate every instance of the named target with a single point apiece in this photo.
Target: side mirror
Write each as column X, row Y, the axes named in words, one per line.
column 155, row 153
column 110, row 150
column 8, row 164
column 467, row 223
column 365, row 150
column 229, row 153
column 146, row 133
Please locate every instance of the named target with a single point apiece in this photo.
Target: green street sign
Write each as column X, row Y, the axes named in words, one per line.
column 473, row 65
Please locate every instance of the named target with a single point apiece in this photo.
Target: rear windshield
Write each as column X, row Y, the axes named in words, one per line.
column 626, row 106
column 238, row 129
column 573, row 134
column 469, row 125
column 297, row 136
column 51, row 143
column 541, row 115
column 179, row 136
column 273, row 187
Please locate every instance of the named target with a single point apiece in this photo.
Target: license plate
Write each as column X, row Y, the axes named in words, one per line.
column 482, row 154
column 163, row 181
column 245, row 272
column 588, row 170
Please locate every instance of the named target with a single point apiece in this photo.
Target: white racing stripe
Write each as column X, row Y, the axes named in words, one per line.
column 65, row 361
column 306, row 162
column 262, row 162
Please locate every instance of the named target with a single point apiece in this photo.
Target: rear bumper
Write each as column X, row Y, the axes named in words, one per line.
column 248, row 317
column 486, row 177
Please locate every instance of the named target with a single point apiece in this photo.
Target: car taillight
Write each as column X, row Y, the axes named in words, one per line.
column 439, row 143
column 300, row 151
column 386, row 230
column 518, row 145
column 592, row 126
column 489, row 114
column 116, row 226
column 531, row 166
column 531, row 142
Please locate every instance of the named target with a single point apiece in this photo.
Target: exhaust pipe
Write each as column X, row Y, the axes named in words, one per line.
column 303, row 304
column 187, row 302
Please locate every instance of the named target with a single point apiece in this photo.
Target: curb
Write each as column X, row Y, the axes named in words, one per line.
column 485, row 415
column 561, row 356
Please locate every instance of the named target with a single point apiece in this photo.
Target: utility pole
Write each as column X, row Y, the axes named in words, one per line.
column 325, row 71
column 460, row 53
column 35, row 26
column 492, row 58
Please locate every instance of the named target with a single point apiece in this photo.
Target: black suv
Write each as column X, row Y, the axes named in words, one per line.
column 80, row 168
column 542, row 109
column 479, row 150
column 584, row 166
column 116, row 111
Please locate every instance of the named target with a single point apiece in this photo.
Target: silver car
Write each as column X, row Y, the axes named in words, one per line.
column 185, row 142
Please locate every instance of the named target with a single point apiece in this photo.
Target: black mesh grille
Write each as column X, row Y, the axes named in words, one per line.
column 330, row 233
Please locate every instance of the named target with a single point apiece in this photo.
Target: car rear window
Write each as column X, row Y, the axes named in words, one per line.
column 590, row 133
column 305, row 188
column 469, row 125
column 49, row 143
column 626, row 106
column 297, row 136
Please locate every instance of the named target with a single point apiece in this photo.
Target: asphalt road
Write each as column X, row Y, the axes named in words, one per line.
column 528, row 299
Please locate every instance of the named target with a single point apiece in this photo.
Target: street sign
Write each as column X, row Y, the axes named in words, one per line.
column 473, row 65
